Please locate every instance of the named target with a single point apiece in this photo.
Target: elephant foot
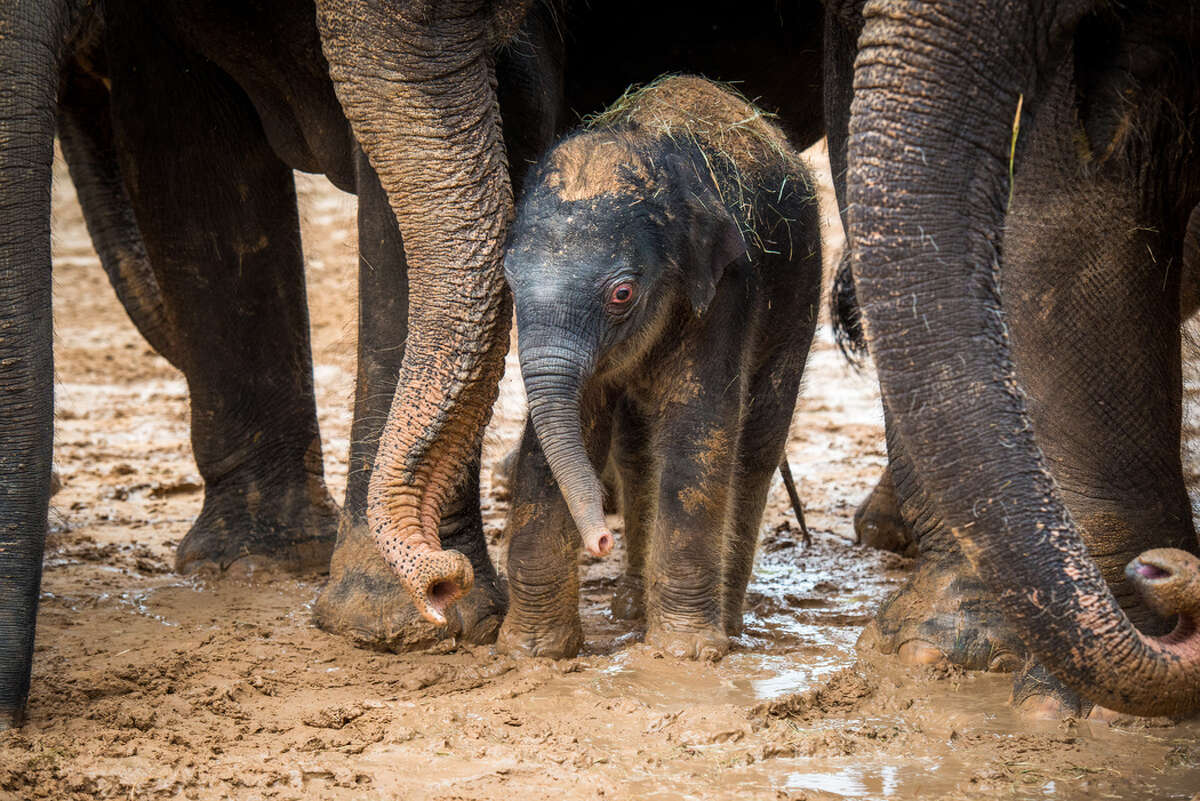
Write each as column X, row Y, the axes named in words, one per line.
column 944, row 613
column 557, row 640
column 1038, row 694
column 291, row 528
column 365, row 602
column 877, row 521
column 629, row 599
column 706, row 644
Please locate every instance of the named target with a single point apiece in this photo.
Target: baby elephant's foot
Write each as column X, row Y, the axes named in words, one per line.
column 705, row 644
column 521, row 636
column 629, row 599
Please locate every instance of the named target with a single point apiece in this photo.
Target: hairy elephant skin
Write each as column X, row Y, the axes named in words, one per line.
column 665, row 266
column 1027, row 332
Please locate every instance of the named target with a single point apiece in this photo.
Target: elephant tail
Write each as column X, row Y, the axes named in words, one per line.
column 846, row 314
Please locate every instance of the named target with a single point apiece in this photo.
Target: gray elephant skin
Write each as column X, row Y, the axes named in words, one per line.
column 1017, row 242
column 665, row 265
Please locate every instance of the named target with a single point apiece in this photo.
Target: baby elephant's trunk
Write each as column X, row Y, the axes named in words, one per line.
column 554, row 376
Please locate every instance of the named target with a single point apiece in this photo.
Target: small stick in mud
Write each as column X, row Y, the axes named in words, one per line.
column 785, row 470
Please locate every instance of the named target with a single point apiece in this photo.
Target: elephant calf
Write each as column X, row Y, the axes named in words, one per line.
column 665, row 264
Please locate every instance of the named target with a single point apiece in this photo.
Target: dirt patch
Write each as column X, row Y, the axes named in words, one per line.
column 147, row 685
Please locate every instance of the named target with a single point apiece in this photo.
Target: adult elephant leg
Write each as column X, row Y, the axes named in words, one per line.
column 86, row 136
column 364, row 598
column 926, row 255
column 944, row 611
column 1095, row 333
column 877, row 521
column 29, row 62
column 217, row 212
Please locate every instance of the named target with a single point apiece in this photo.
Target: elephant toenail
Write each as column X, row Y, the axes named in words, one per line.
column 920, row 652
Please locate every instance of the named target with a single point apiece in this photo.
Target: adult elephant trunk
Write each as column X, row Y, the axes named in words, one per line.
column 417, row 82
column 554, row 371
column 31, row 43
column 937, row 86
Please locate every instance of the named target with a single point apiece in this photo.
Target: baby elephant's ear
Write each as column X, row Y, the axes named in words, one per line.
column 716, row 242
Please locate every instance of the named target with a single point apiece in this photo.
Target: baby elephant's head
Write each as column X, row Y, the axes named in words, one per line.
column 617, row 242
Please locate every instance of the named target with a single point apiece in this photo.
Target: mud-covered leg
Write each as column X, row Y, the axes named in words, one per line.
column 364, row 599
column 217, row 212
column 639, row 496
column 543, row 559
column 754, row 483
column 761, row 446
column 944, row 612
column 695, row 444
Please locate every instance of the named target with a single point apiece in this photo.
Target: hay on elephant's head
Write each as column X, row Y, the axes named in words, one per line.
column 744, row 150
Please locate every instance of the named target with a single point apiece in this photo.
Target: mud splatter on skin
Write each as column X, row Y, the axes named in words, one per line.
column 150, row 686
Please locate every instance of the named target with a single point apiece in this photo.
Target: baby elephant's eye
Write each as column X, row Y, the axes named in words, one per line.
column 621, row 294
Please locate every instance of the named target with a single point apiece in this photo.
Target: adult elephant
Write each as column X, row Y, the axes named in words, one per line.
column 1021, row 180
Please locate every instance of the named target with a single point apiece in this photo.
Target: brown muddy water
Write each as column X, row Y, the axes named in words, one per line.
column 151, row 685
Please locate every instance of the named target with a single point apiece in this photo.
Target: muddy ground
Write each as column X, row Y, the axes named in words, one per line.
column 152, row 685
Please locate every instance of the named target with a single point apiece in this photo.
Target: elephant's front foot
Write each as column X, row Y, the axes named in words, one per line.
column 629, row 599
column 365, row 602
column 945, row 613
column 530, row 635
column 702, row 643
column 291, row 527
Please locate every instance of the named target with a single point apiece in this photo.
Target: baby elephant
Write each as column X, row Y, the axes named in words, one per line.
column 665, row 264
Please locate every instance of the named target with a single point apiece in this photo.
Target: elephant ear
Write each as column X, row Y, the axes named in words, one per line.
column 714, row 241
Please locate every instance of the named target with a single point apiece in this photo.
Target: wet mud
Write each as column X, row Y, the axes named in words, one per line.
column 150, row 685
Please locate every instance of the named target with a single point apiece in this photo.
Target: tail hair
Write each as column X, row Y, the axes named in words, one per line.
column 846, row 314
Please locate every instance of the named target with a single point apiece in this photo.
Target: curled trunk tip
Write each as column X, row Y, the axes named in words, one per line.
column 434, row 579
column 1168, row 580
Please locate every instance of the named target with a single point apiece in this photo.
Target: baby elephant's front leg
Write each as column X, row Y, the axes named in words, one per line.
column 684, row 572
column 543, row 555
